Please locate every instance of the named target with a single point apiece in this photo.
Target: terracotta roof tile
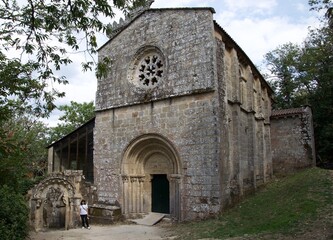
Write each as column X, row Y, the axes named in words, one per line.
column 287, row 112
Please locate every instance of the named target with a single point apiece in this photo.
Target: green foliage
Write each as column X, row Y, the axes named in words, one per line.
column 26, row 155
column 302, row 75
column 13, row 215
column 75, row 115
column 319, row 62
column 16, row 80
column 283, row 63
column 103, row 67
column 282, row 207
column 37, row 38
column 327, row 6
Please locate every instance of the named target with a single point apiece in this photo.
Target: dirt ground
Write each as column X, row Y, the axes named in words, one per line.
column 110, row 232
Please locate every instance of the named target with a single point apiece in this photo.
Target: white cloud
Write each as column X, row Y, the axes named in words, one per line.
column 301, row 7
column 258, row 36
column 81, row 88
column 182, row 3
column 251, row 6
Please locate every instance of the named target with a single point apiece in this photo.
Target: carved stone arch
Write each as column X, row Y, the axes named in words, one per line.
column 54, row 203
column 139, row 150
column 146, row 156
column 46, row 183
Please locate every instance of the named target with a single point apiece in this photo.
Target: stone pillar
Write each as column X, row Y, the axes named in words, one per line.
column 132, row 195
column 136, row 189
column 136, row 196
column 68, row 213
column 141, row 181
column 38, row 214
column 175, row 207
column 50, row 160
column 268, row 156
column 125, row 207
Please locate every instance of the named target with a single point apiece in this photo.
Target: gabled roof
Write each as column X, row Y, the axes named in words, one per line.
column 226, row 38
column 123, row 24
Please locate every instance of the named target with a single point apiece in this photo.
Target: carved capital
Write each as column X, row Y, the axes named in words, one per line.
column 125, row 178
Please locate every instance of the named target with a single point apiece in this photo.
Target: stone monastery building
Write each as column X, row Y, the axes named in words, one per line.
column 183, row 108
column 182, row 126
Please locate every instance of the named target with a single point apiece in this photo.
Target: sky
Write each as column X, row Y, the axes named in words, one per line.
column 257, row 27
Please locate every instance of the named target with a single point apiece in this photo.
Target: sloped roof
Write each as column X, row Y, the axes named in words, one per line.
column 127, row 22
column 91, row 121
column 230, row 42
column 287, row 112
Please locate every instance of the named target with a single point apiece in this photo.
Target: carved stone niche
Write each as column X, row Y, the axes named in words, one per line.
column 54, row 202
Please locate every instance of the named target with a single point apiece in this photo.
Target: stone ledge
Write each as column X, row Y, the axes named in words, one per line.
column 105, row 214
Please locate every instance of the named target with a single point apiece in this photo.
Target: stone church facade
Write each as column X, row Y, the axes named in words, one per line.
column 182, row 124
column 183, row 108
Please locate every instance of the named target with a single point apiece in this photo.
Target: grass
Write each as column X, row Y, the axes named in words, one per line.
column 284, row 206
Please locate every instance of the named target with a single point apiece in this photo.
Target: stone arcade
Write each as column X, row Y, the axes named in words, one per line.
column 182, row 123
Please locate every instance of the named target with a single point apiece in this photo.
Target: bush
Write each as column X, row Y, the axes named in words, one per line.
column 13, row 215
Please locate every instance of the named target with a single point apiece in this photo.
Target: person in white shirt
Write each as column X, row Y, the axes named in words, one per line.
column 84, row 214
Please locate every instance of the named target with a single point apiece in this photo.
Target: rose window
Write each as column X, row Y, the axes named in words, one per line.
column 150, row 70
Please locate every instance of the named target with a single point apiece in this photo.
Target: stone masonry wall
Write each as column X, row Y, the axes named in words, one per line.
column 292, row 141
column 244, row 112
column 189, row 123
column 184, row 38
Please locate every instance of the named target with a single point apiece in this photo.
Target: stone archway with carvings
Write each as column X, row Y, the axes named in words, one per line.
column 148, row 156
column 54, row 202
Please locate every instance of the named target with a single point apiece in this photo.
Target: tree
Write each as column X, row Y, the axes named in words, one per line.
column 26, row 157
column 303, row 75
column 41, row 35
column 327, row 6
column 283, row 65
column 75, row 115
column 319, row 62
column 13, row 215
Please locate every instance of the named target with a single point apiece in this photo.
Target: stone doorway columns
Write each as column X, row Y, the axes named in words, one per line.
column 146, row 156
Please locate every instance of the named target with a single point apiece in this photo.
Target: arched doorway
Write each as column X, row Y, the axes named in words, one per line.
column 160, row 194
column 151, row 177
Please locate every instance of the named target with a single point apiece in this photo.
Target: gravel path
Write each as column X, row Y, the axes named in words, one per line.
column 111, row 232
